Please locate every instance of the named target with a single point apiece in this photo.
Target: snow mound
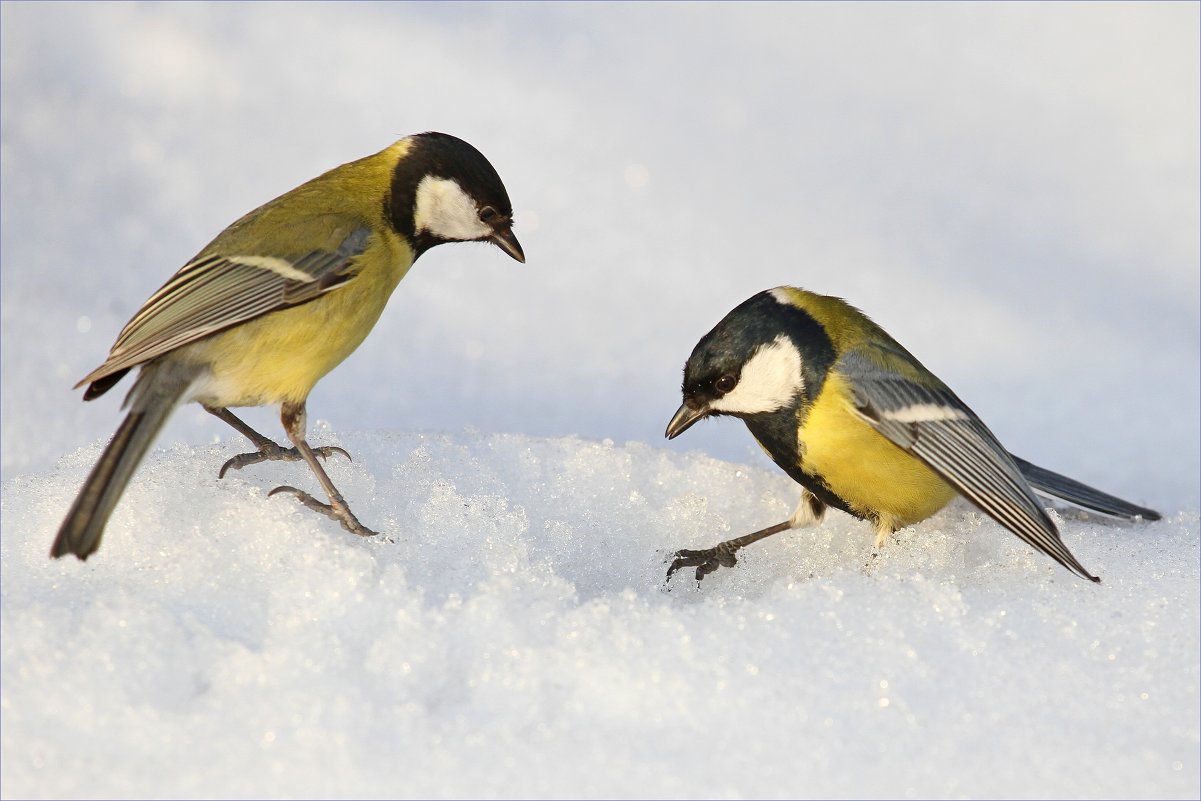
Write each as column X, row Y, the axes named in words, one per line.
column 511, row 635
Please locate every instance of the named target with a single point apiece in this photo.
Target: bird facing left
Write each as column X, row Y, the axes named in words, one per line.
column 279, row 299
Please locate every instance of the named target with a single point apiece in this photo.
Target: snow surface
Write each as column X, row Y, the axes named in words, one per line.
column 1011, row 190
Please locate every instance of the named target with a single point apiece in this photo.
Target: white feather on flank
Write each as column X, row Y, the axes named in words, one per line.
column 804, row 515
column 924, row 413
column 771, row 379
column 445, row 210
column 281, row 267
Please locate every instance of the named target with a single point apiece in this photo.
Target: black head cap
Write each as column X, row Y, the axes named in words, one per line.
column 755, row 322
column 442, row 156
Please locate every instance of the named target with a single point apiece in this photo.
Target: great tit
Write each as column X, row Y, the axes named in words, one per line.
column 862, row 426
column 279, row 299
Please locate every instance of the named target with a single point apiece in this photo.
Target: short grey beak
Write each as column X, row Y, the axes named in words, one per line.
column 683, row 419
column 503, row 238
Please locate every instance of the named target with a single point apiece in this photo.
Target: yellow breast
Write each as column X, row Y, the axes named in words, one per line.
column 280, row 356
column 871, row 474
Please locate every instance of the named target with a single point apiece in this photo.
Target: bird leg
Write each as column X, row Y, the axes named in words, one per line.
column 294, row 419
column 267, row 451
column 721, row 555
column 808, row 512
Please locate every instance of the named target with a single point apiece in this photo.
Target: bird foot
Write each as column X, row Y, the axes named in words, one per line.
column 337, row 511
column 274, row 453
column 705, row 561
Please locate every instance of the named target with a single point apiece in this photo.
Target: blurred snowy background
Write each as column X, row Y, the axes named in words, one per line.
column 1011, row 190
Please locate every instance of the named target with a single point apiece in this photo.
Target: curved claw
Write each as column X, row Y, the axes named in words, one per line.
column 338, row 511
column 326, row 451
column 275, row 453
column 240, row 461
column 705, row 561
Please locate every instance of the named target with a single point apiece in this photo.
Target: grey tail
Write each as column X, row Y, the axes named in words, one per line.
column 1046, row 482
column 154, row 400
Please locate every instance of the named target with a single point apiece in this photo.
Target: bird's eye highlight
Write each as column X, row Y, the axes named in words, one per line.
column 487, row 214
column 726, row 383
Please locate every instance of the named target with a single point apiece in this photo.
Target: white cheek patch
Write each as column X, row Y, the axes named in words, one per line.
column 446, row 211
column 771, row 379
column 924, row 413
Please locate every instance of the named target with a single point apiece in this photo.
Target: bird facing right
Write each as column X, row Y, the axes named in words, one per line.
column 277, row 300
column 862, row 426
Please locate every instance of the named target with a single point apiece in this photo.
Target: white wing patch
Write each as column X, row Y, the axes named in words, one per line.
column 771, row 379
column 445, row 210
column 281, row 267
column 924, row 413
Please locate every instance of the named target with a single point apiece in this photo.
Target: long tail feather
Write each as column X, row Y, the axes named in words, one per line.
column 83, row 526
column 1046, row 482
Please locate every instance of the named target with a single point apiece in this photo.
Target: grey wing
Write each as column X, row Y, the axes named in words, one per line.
column 933, row 424
column 216, row 291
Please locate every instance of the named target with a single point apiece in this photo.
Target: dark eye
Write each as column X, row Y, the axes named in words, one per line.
column 726, row 383
column 487, row 214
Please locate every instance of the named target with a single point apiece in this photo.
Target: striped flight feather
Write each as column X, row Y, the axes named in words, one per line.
column 993, row 486
column 963, row 451
column 215, row 292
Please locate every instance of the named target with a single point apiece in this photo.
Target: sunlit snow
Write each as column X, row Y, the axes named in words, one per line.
column 1011, row 190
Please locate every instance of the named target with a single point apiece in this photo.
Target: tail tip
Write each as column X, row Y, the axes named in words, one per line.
column 62, row 547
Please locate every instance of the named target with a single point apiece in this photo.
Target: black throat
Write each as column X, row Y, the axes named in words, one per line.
column 777, row 433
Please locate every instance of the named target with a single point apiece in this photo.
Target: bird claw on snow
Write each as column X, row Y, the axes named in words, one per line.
column 705, row 561
column 340, row 512
column 276, row 453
